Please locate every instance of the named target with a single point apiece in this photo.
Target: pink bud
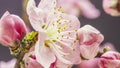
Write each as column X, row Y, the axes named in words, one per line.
column 33, row 64
column 92, row 63
column 12, row 28
column 30, row 60
column 112, row 7
column 89, row 39
column 110, row 59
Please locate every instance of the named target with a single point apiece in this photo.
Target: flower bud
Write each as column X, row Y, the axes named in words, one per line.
column 12, row 28
column 89, row 39
column 112, row 7
column 92, row 63
column 110, row 59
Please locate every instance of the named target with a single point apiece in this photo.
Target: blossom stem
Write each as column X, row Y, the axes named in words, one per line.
column 19, row 60
column 27, row 42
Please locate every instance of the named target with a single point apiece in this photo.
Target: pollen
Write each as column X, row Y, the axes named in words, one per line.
column 67, row 37
column 58, row 31
column 60, row 17
column 47, row 43
column 62, row 36
column 75, row 41
column 63, row 27
column 43, row 26
column 54, row 2
column 69, row 33
column 54, row 40
column 61, row 9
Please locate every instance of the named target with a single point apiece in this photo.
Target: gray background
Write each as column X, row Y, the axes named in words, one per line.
column 109, row 26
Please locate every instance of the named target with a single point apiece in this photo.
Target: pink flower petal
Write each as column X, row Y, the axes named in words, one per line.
column 76, row 7
column 9, row 64
column 88, row 9
column 36, row 16
column 59, row 64
column 47, row 5
column 33, row 64
column 92, row 63
column 43, row 54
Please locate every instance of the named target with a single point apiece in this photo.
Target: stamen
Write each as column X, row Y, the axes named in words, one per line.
column 63, row 43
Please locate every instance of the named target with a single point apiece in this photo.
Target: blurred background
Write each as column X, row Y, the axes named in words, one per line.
column 109, row 26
